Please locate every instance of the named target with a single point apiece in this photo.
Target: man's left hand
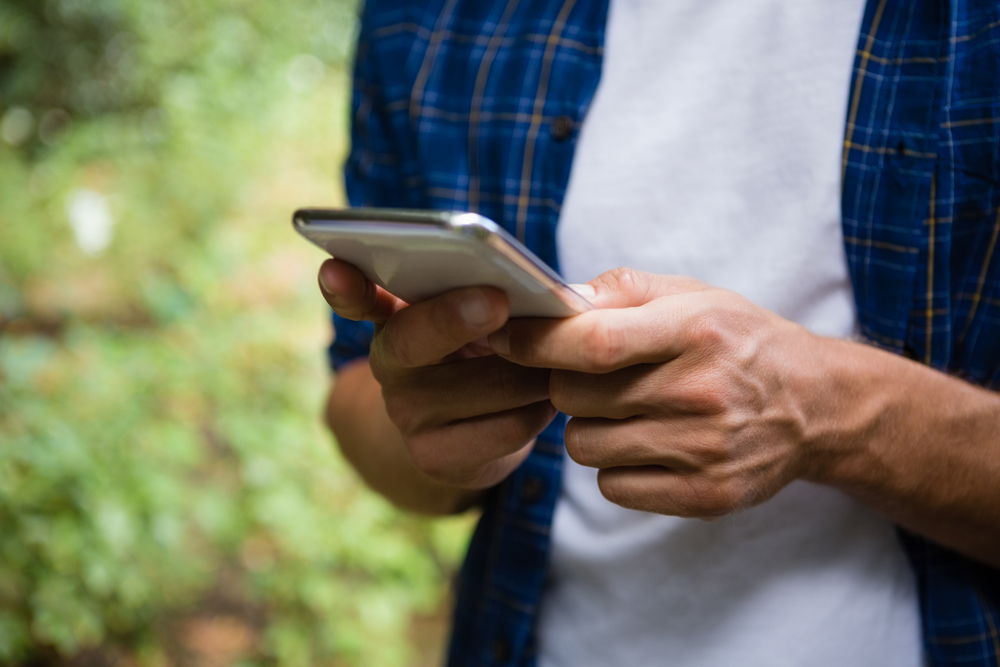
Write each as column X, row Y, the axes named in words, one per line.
column 691, row 400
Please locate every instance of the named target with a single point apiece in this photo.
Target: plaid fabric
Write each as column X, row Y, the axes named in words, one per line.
column 472, row 105
column 921, row 212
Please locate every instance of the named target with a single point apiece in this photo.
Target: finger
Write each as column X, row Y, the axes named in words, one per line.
column 620, row 394
column 353, row 296
column 628, row 288
column 437, row 395
column 425, row 333
column 477, row 348
column 680, row 387
column 601, row 341
column 664, row 491
column 613, row 443
column 466, row 453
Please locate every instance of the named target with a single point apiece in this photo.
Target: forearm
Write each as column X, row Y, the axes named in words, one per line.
column 374, row 446
column 917, row 445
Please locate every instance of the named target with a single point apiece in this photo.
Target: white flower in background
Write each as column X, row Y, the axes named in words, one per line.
column 90, row 217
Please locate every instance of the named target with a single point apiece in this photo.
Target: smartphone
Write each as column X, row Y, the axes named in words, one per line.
column 416, row 255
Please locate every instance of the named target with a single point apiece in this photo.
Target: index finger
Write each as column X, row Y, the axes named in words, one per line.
column 424, row 334
column 601, row 341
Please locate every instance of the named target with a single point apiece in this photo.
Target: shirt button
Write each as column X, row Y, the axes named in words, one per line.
column 561, row 128
column 532, row 490
column 500, row 651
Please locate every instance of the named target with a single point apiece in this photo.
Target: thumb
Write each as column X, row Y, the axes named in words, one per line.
column 353, row 296
column 628, row 288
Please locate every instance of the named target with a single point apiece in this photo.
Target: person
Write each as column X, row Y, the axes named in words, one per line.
column 805, row 346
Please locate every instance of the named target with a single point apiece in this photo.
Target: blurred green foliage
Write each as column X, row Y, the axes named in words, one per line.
column 161, row 453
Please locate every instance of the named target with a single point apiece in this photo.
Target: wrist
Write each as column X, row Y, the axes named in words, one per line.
column 855, row 398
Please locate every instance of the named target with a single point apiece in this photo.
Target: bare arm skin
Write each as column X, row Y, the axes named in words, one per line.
column 432, row 419
column 692, row 401
column 372, row 444
column 918, row 445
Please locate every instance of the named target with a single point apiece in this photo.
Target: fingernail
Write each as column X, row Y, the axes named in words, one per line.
column 586, row 291
column 500, row 341
column 475, row 311
column 323, row 284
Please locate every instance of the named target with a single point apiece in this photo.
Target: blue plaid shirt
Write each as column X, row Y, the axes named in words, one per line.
column 474, row 105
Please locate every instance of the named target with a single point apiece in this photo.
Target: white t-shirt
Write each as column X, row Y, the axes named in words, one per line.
column 712, row 149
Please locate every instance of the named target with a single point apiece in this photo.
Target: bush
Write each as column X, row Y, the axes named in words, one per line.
column 161, row 368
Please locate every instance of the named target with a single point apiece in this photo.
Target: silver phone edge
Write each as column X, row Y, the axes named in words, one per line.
column 564, row 292
column 304, row 217
column 464, row 223
column 497, row 237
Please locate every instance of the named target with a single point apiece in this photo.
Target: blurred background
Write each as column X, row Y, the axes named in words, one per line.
column 168, row 495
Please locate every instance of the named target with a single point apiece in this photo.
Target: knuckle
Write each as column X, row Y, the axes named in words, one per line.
column 745, row 350
column 393, row 345
column 376, row 361
column 715, row 499
column 613, row 489
column 637, row 284
column 561, row 391
column 385, row 373
column 733, row 422
column 707, row 327
column 514, row 430
column 606, row 342
column 432, row 457
column 714, row 504
column 427, row 458
column 713, row 448
column 624, row 276
column 401, row 412
column 730, row 497
column 523, row 345
column 616, row 489
column 625, row 279
column 709, row 395
column 574, row 442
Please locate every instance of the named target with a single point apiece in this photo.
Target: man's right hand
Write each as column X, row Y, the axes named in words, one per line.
column 467, row 417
